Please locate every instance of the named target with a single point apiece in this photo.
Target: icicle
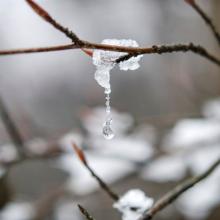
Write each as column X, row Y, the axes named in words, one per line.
column 107, row 130
column 104, row 62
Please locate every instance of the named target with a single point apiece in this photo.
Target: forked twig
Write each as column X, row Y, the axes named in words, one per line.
column 175, row 193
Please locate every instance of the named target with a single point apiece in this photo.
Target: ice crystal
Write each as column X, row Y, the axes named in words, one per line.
column 133, row 204
column 105, row 62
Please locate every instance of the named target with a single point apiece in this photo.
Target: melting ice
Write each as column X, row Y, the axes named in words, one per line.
column 105, row 62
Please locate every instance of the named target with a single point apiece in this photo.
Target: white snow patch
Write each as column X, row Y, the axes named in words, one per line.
column 190, row 132
column 126, row 148
column 164, row 169
column 198, row 202
column 17, row 211
column 80, row 180
column 133, row 204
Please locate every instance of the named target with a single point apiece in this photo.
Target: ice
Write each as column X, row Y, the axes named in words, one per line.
column 133, row 204
column 17, row 211
column 105, row 62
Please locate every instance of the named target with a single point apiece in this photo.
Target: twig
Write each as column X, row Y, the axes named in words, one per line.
column 85, row 213
column 172, row 195
column 81, row 44
column 11, row 129
column 206, row 18
column 37, row 50
column 101, row 183
column 135, row 51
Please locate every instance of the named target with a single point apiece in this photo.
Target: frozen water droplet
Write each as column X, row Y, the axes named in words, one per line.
column 107, row 130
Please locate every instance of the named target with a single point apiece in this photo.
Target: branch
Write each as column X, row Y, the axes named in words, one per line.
column 175, row 193
column 206, row 18
column 101, row 183
column 133, row 51
column 81, row 44
column 11, row 128
column 85, row 213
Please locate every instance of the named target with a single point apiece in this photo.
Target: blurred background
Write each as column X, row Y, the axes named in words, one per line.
column 166, row 114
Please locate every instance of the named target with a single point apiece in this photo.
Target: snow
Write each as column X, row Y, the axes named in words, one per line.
column 198, row 202
column 80, row 181
column 133, row 204
column 190, row 132
column 105, row 61
column 8, row 153
column 124, row 148
column 164, row 169
column 17, row 211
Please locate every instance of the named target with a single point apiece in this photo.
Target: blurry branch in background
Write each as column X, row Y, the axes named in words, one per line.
column 174, row 194
column 102, row 184
column 84, row 45
column 85, row 213
column 12, row 130
column 206, row 18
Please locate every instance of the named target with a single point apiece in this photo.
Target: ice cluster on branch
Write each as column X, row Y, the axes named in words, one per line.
column 133, row 204
column 105, row 61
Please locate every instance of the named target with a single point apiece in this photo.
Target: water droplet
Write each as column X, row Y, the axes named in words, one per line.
column 107, row 130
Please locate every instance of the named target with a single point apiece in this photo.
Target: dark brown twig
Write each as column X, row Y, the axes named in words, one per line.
column 85, row 213
column 80, row 44
column 197, row 49
column 11, row 128
column 101, row 183
column 175, row 193
column 206, row 18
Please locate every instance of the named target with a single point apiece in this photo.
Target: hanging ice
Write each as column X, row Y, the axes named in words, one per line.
column 104, row 62
column 133, row 204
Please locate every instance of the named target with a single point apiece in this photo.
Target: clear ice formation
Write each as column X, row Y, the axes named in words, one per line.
column 133, row 204
column 105, row 62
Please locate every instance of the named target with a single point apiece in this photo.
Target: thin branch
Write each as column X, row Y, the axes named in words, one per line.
column 85, row 213
column 175, row 193
column 11, row 128
column 37, row 50
column 206, row 18
column 101, row 183
column 133, row 51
